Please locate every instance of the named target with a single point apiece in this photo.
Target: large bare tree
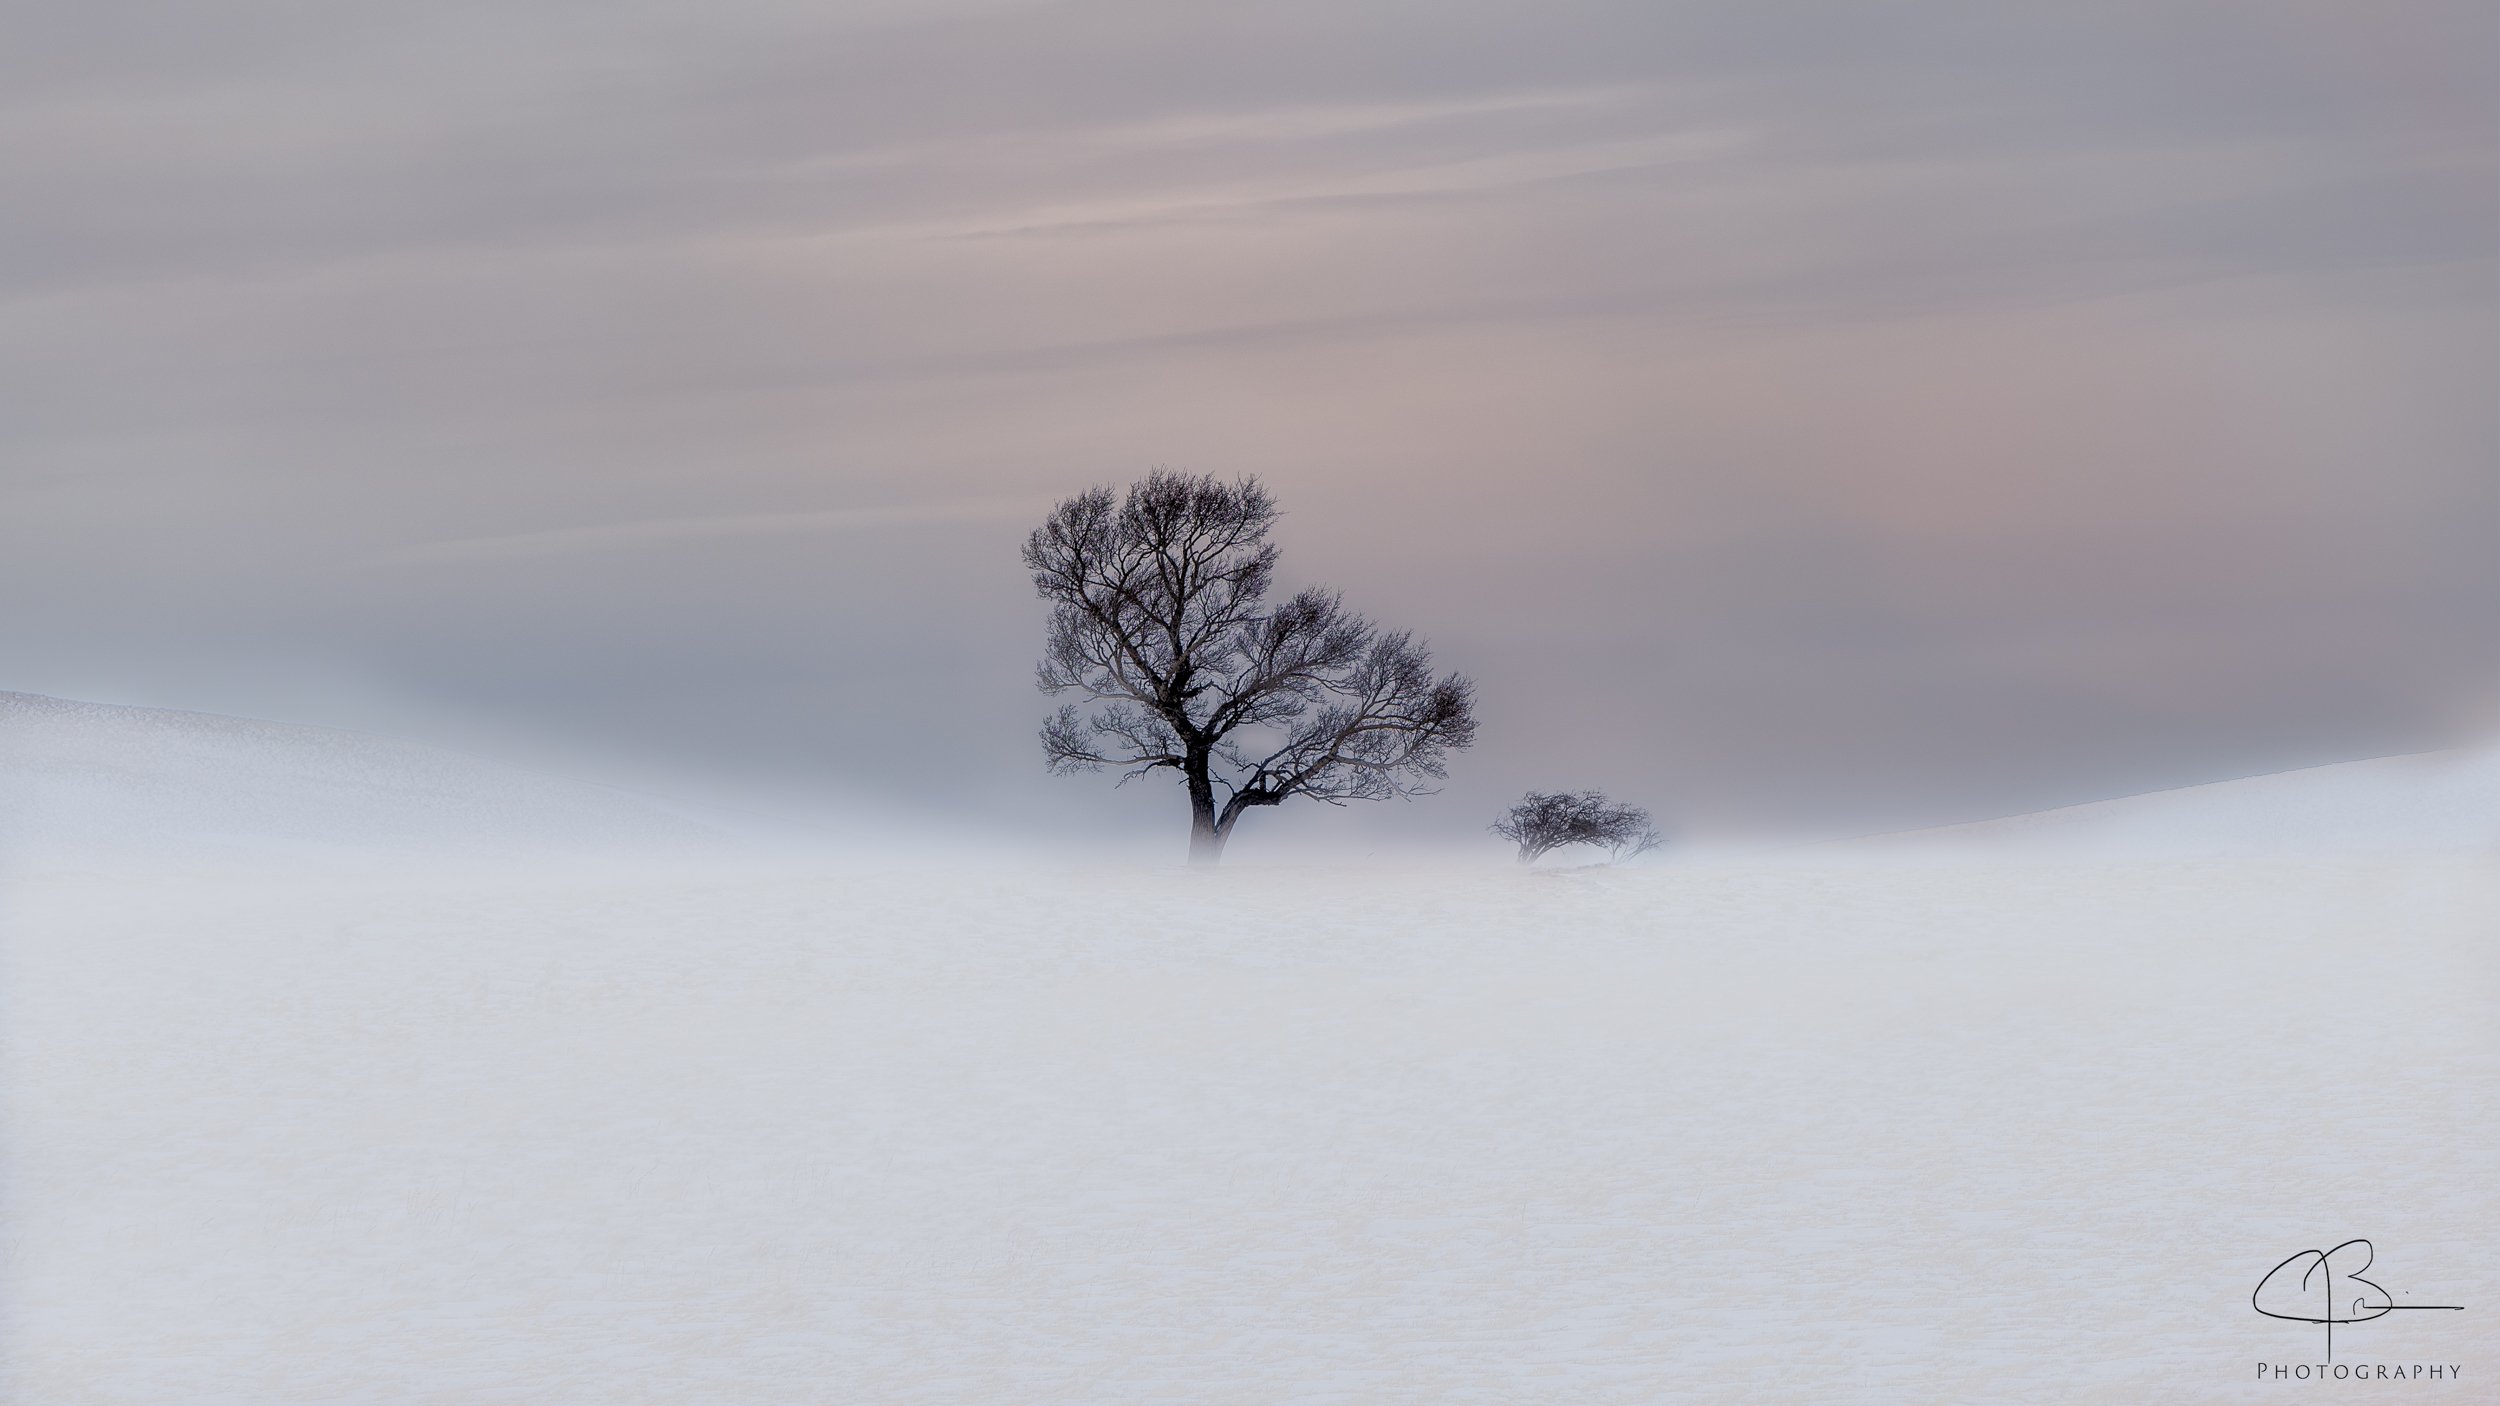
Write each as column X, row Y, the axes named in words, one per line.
column 1160, row 619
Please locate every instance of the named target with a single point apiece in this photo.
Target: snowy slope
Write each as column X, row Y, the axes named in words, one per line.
column 1848, row 1127
column 80, row 777
column 2430, row 801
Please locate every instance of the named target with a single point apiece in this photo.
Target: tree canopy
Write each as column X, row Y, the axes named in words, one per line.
column 1160, row 620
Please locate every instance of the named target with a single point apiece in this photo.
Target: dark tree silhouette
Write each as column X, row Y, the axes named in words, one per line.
column 1160, row 618
column 1543, row 822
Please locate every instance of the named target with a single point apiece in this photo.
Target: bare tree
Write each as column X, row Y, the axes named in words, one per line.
column 1160, row 619
column 1543, row 822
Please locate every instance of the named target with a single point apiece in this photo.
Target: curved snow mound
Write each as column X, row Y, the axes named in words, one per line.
column 91, row 776
column 2428, row 801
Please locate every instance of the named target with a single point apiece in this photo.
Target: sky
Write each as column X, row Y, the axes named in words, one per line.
column 1795, row 417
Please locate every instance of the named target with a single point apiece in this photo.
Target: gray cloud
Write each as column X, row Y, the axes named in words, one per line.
column 1805, row 413
column 626, row 536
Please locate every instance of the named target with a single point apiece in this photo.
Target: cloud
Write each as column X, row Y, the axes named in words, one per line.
column 625, row 536
column 1474, row 175
column 1949, row 409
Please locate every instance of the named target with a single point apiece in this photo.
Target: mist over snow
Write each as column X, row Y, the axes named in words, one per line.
column 2425, row 802
column 83, row 778
column 93, row 776
column 138, row 786
column 330, row 1070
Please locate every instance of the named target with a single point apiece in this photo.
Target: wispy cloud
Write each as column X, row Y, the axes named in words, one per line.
column 1477, row 174
column 1295, row 123
column 625, row 536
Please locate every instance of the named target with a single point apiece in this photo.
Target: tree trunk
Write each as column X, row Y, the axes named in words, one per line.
column 1206, row 838
column 1206, row 843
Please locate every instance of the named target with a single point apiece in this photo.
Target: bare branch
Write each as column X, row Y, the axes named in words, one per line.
column 1159, row 616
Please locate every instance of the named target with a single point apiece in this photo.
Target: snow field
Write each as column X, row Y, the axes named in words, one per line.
column 1851, row 1128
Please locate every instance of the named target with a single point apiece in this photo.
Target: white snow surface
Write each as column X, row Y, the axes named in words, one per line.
column 284, row 1126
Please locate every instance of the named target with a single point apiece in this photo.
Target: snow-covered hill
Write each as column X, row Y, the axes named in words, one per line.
column 2429, row 801
column 82, row 777
column 1850, row 1126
